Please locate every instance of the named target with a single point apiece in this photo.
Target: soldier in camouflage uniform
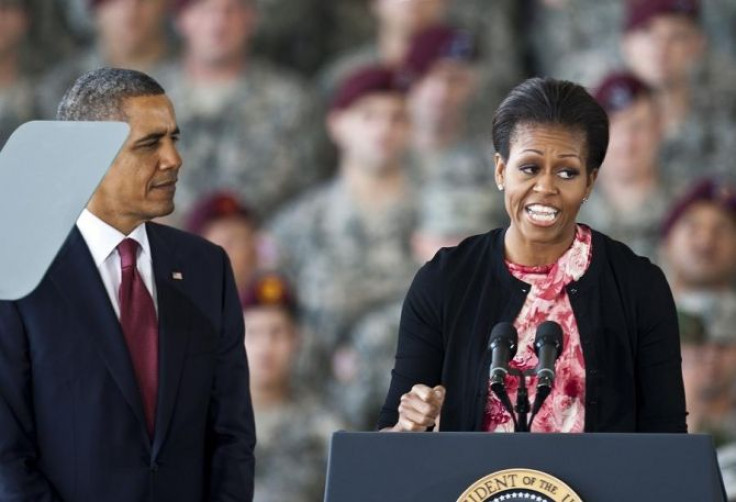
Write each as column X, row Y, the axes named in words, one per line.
column 130, row 34
column 574, row 40
column 247, row 126
column 699, row 248
column 501, row 65
column 345, row 246
column 693, row 86
column 293, row 429
column 362, row 364
column 397, row 22
column 630, row 198
column 16, row 98
column 442, row 71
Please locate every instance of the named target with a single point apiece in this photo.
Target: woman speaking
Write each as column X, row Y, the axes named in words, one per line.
column 618, row 369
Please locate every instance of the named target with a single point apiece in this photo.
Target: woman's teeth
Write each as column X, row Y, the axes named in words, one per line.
column 542, row 213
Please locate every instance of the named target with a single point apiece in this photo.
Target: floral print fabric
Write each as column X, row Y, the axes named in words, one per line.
column 564, row 408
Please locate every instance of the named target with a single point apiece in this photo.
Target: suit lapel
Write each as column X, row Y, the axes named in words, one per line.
column 76, row 275
column 173, row 322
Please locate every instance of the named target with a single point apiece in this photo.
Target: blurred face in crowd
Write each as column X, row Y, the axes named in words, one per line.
column 664, row 52
column 709, row 375
column 372, row 132
column 545, row 180
column 442, row 95
column 217, row 31
column 130, row 26
column 409, row 16
column 271, row 341
column 13, row 27
column 701, row 248
column 635, row 138
column 237, row 236
column 141, row 183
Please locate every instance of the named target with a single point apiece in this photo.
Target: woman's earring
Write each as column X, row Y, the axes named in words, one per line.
column 500, row 187
column 585, row 199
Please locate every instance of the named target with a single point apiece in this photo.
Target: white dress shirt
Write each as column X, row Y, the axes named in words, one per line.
column 102, row 241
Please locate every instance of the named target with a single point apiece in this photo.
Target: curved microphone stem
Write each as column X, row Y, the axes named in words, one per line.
column 499, row 388
column 522, row 404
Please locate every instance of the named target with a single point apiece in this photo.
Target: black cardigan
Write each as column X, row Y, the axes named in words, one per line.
column 625, row 314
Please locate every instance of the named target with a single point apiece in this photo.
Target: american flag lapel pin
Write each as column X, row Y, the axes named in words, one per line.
column 177, row 276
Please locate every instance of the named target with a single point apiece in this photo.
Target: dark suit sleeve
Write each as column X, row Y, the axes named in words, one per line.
column 231, row 427
column 660, row 393
column 20, row 479
column 420, row 352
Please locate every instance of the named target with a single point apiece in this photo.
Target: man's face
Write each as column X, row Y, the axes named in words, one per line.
column 409, row 16
column 141, row 182
column 442, row 94
column 217, row 31
column 13, row 27
column 664, row 52
column 635, row 138
column 701, row 247
column 131, row 25
column 271, row 342
column 373, row 131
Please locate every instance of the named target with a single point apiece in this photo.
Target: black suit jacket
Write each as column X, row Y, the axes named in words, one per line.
column 71, row 418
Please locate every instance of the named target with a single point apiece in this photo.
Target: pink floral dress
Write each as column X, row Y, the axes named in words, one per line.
column 564, row 409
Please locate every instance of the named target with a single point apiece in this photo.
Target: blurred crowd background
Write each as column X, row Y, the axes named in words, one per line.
column 333, row 147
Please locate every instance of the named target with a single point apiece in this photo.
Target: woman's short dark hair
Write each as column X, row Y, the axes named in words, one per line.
column 547, row 101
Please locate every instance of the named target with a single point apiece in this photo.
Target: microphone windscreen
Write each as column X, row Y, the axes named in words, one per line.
column 549, row 332
column 504, row 333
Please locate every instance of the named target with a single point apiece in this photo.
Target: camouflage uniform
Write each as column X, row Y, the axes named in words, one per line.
column 717, row 310
column 362, row 367
column 256, row 136
column 291, row 451
column 639, row 228
column 342, row 262
column 705, row 143
column 501, row 66
column 464, row 164
column 577, row 41
column 17, row 105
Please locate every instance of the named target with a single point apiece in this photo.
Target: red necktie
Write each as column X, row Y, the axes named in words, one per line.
column 140, row 327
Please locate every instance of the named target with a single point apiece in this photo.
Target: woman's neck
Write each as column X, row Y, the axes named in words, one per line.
column 522, row 251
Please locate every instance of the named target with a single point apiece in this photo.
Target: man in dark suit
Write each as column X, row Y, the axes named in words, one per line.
column 123, row 376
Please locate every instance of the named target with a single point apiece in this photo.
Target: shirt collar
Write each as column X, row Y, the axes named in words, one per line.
column 102, row 239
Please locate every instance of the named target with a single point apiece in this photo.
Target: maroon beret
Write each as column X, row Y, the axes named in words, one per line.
column 619, row 91
column 364, row 81
column 434, row 44
column 709, row 190
column 640, row 12
column 216, row 206
column 269, row 289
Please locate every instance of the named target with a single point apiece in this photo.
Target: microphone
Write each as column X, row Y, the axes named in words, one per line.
column 547, row 347
column 502, row 344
